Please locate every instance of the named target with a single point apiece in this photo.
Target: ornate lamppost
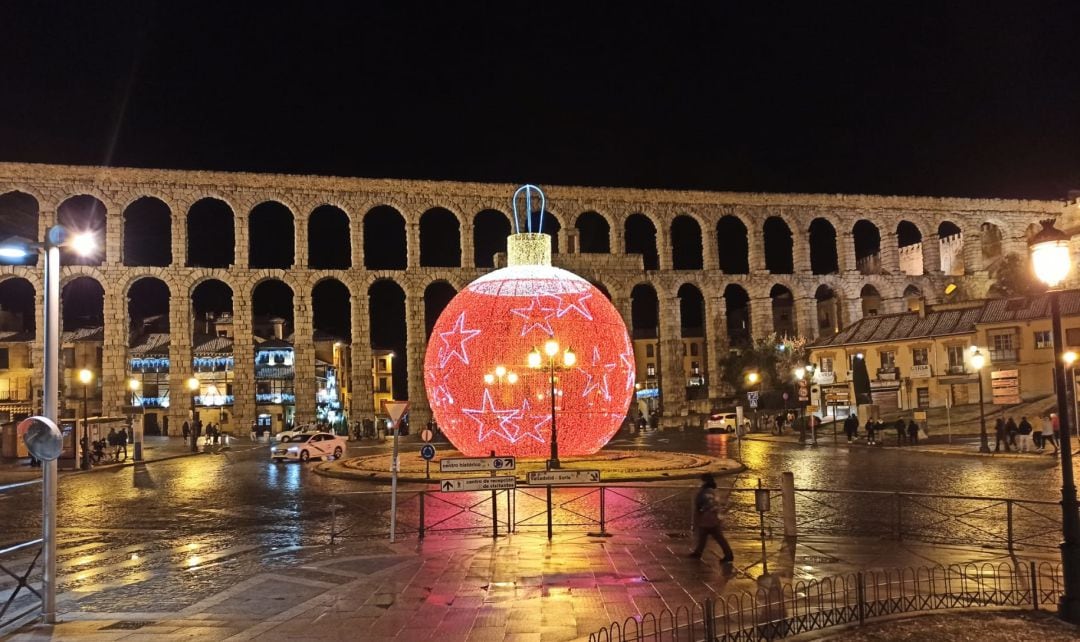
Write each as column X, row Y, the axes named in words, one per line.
column 551, row 349
column 978, row 360
column 85, row 378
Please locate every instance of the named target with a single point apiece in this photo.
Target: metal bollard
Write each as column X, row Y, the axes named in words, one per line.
column 1009, row 523
column 860, row 595
column 899, row 516
column 549, row 511
column 423, row 493
column 603, row 512
column 333, row 521
column 1034, row 587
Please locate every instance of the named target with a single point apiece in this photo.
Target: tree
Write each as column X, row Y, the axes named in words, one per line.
column 1013, row 277
column 773, row 357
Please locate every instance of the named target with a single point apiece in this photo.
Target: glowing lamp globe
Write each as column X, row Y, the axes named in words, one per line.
column 483, row 390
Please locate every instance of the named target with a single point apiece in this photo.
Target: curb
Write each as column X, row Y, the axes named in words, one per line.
column 918, row 449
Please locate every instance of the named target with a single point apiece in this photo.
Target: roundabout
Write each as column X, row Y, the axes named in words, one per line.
column 614, row 466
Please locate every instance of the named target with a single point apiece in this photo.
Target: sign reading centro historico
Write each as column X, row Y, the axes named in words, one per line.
column 1005, row 385
column 476, row 464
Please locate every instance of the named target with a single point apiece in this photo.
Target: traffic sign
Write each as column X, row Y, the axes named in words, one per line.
column 427, row 451
column 467, row 484
column 563, row 477
column 752, row 397
column 426, row 435
column 396, row 410
column 476, row 464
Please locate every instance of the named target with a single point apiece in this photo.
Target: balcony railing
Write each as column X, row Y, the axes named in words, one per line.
column 1004, row 354
column 888, row 374
column 214, row 400
column 956, row 369
column 275, row 397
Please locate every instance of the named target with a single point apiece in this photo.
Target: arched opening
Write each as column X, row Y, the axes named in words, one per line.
column 213, row 362
column 436, row 297
column 440, row 239
column 913, row 298
column 148, row 301
column 211, row 234
column 80, row 214
column 490, row 229
column 388, row 331
column 909, row 248
column 685, row 243
column 823, row 258
column 19, row 217
column 332, row 331
column 692, row 331
column 329, row 240
column 828, row 311
column 271, row 240
column 331, row 310
column 148, row 233
column 148, row 308
column 17, row 308
column 871, row 301
column 952, row 248
column 83, row 304
column 212, row 306
column 275, row 382
column 385, row 245
column 734, row 245
column 867, row 239
column 991, row 241
column 737, row 306
column 272, row 310
column 641, row 239
column 645, row 328
column 783, row 311
column 603, row 289
column 594, row 234
column 778, row 246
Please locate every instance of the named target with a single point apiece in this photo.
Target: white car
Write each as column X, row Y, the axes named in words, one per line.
column 293, row 434
column 721, row 422
column 305, row 446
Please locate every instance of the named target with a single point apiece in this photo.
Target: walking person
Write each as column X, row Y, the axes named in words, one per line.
column 1000, row 436
column 851, row 426
column 1037, row 434
column 121, row 444
column 1011, row 430
column 252, row 435
column 707, row 520
column 913, row 432
column 114, row 444
column 901, row 429
column 869, row 428
column 1024, row 431
column 1050, row 432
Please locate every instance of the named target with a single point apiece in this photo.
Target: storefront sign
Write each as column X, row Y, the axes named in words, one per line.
column 920, row 372
column 1005, row 387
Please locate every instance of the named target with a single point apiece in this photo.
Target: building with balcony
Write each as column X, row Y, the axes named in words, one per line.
column 18, row 396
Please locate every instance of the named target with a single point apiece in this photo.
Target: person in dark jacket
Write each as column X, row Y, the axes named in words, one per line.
column 851, row 427
column 1010, row 431
column 1000, row 436
column 121, row 444
column 913, row 433
column 1024, row 430
column 901, row 427
column 869, row 428
column 707, row 520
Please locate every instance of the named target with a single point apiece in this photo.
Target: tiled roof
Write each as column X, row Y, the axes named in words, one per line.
column 906, row 325
column 1024, row 309
column 273, row 344
column 154, row 343
column 11, row 336
column 83, row 334
column 205, row 346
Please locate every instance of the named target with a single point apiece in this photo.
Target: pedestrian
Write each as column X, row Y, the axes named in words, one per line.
column 1000, row 435
column 871, row 432
column 851, row 426
column 186, row 430
column 217, row 434
column 901, row 428
column 707, row 520
column 1024, row 431
column 1010, row 431
column 254, row 429
column 114, row 444
column 121, row 444
column 1037, row 434
column 1050, row 432
column 779, row 421
column 913, row 432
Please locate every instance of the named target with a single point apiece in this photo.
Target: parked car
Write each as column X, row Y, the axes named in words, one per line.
column 305, row 446
column 721, row 422
column 298, row 431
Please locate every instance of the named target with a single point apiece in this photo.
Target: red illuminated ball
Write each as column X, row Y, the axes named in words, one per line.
column 497, row 320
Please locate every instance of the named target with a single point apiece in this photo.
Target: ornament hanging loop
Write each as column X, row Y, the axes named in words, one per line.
column 527, row 192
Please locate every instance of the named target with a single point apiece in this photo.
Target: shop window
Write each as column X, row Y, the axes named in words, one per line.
column 1044, row 339
column 920, row 357
column 922, row 397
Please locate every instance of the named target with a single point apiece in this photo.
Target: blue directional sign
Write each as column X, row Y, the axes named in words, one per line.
column 427, row 451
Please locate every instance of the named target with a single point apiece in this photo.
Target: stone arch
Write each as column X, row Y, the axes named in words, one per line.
column 734, row 246
column 693, row 333
column 440, row 238
column 148, row 301
column 779, row 246
column 271, row 236
column 913, row 298
column 551, row 224
column 737, row 306
column 18, row 305
column 329, row 239
column 909, row 240
column 147, row 233
column 686, row 243
column 272, row 298
column 385, row 244
column 830, row 319
column 81, row 214
column 594, row 233
column 211, row 306
column 951, row 240
column 991, row 240
column 603, row 288
column 644, row 310
column 871, row 300
column 331, row 308
column 639, row 233
column 823, row 256
column 490, row 229
column 19, row 216
column 437, row 296
column 211, row 234
column 867, row 239
column 82, row 302
column 389, row 329
column 783, row 310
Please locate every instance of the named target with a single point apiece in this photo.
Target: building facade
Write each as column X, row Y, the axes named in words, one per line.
column 746, row 263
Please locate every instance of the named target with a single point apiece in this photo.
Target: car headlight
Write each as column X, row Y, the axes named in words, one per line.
column 293, row 449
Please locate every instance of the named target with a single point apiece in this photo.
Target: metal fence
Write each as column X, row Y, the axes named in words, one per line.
column 778, row 610
column 994, row 522
column 20, row 576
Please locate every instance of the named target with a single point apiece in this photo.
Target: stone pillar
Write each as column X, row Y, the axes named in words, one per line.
column 244, row 407
column 416, row 346
column 716, row 343
column 890, row 253
column 756, row 248
column 178, row 224
column 114, row 349
column 931, row 254
column 618, row 237
column 180, row 361
column 972, row 252
column 710, row 254
column 300, row 247
column 893, row 305
column 356, row 226
column 468, row 248
column 806, row 325
column 845, row 254
column 362, row 404
column 412, row 242
column 673, row 376
column 114, row 238
column 563, row 248
column 663, row 245
column 761, row 317
column 241, row 252
column 852, row 311
column 801, row 254
column 303, row 359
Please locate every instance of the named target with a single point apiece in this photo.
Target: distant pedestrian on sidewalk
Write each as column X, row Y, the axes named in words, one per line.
column 121, row 445
column 913, row 433
column 1037, row 434
column 1050, row 431
column 851, row 427
column 1011, row 430
column 869, row 428
column 707, row 520
column 1000, row 436
column 900, row 428
column 1024, row 430
column 186, row 431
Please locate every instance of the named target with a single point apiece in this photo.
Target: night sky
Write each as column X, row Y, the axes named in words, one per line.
column 968, row 99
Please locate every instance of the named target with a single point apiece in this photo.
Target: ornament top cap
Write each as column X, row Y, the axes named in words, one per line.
column 526, row 193
column 528, row 249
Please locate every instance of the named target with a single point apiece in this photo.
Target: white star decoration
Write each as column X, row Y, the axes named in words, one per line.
column 455, row 348
column 491, row 420
column 600, row 381
column 538, row 317
column 578, row 306
column 533, row 432
column 627, row 358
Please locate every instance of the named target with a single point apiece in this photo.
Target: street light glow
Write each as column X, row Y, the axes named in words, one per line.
column 500, row 371
column 193, row 384
column 133, row 384
column 1069, row 357
column 83, row 243
column 512, row 377
column 551, row 347
column 489, row 378
column 569, row 358
column 1050, row 254
column 534, row 358
column 753, row 377
column 86, row 376
column 978, row 359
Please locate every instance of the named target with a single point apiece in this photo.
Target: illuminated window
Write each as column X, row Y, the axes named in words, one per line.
column 826, row 364
column 650, row 370
column 888, row 359
column 920, row 357
column 1043, row 339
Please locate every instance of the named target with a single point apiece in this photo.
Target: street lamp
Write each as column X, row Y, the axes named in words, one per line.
column 551, row 348
column 85, row 378
column 1050, row 258
column 1070, row 358
column 16, row 248
column 753, row 378
column 136, row 435
column 978, row 360
column 193, row 387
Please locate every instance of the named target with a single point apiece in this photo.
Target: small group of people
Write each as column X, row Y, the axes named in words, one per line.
column 1026, row 437
column 118, row 441
column 196, row 430
column 906, row 431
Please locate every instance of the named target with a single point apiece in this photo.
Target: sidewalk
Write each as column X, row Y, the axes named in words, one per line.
column 962, row 445
column 517, row 588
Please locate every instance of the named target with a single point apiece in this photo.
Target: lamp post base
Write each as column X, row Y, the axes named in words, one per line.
column 553, row 464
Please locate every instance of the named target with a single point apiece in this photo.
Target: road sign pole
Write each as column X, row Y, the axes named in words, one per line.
column 393, row 487
column 549, row 511
column 427, row 469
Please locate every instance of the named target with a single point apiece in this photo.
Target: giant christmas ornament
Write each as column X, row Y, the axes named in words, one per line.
column 482, row 391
